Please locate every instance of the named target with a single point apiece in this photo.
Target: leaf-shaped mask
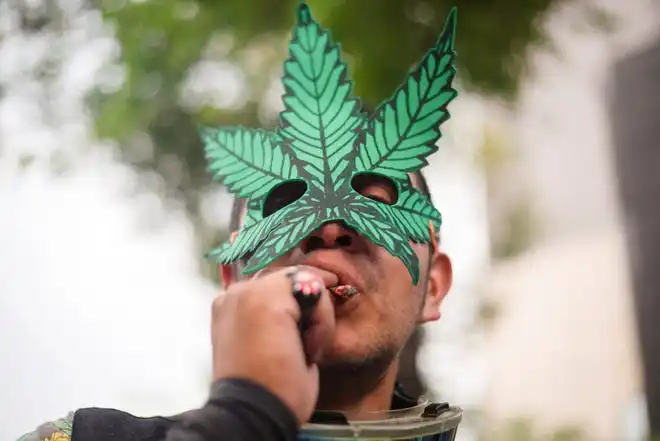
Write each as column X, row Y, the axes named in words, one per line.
column 323, row 142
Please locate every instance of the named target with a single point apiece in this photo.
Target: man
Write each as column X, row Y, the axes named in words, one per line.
column 334, row 264
column 359, row 369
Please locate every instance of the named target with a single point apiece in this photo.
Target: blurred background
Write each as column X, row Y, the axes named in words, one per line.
column 546, row 179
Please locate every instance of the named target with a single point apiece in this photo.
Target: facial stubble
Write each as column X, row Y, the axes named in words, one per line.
column 345, row 381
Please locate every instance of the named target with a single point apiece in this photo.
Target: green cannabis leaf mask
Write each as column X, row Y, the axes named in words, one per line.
column 324, row 141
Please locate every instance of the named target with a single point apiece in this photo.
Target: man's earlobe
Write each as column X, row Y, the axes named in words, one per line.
column 227, row 271
column 226, row 275
column 439, row 284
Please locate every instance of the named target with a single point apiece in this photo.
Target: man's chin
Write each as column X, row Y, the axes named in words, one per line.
column 334, row 358
column 355, row 364
column 352, row 348
column 350, row 343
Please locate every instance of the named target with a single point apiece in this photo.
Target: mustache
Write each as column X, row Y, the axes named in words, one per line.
column 364, row 266
column 358, row 253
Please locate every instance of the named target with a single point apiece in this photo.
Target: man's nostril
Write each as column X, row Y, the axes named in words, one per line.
column 317, row 242
column 314, row 243
column 344, row 241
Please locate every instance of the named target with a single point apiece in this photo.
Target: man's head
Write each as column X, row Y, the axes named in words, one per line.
column 340, row 188
column 373, row 327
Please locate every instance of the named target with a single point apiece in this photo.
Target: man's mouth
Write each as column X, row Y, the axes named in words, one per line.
column 348, row 284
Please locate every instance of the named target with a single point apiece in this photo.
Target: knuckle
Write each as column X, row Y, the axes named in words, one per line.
column 218, row 304
column 236, row 290
column 259, row 297
column 226, row 298
column 249, row 296
column 251, row 300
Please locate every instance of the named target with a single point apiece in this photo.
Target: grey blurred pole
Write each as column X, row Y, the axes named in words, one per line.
column 635, row 121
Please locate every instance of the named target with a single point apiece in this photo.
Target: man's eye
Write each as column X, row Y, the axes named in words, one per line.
column 376, row 187
column 377, row 197
column 283, row 195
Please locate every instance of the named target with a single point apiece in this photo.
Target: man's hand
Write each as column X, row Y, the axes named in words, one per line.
column 256, row 337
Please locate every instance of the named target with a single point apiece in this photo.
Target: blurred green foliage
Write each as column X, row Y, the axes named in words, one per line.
column 514, row 224
column 519, row 234
column 381, row 39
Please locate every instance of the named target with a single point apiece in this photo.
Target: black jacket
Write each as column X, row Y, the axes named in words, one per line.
column 247, row 411
column 241, row 408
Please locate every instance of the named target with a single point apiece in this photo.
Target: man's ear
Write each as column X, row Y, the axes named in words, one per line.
column 227, row 271
column 226, row 275
column 438, row 285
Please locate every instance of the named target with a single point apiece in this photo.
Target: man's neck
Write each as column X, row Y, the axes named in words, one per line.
column 359, row 397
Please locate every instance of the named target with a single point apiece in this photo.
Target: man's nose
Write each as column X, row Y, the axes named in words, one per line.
column 329, row 236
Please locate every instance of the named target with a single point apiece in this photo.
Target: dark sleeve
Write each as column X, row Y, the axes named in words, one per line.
column 237, row 410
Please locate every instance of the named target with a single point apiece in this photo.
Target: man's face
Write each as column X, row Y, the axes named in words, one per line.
column 376, row 323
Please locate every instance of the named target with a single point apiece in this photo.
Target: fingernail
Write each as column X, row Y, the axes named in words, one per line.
column 306, row 283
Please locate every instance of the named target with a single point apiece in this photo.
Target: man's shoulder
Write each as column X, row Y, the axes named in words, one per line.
column 57, row 430
column 100, row 424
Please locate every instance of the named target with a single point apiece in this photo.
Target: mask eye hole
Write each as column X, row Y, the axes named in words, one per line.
column 282, row 195
column 376, row 187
